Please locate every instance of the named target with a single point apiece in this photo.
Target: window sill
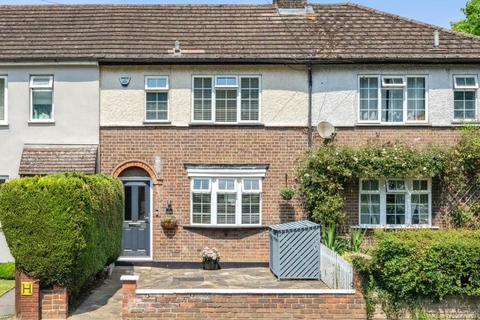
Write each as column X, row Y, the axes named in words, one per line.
column 156, row 123
column 226, row 124
column 393, row 227
column 42, row 123
column 389, row 125
column 220, row 227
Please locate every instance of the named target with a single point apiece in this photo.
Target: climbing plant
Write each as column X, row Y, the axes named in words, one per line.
column 325, row 172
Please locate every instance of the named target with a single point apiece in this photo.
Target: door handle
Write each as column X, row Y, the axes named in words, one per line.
column 134, row 224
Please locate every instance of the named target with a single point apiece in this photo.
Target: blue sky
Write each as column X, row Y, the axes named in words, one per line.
column 438, row 12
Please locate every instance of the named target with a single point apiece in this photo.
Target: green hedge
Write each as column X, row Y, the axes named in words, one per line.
column 63, row 229
column 425, row 263
column 7, row 271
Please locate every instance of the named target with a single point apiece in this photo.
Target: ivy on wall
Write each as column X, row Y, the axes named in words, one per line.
column 325, row 172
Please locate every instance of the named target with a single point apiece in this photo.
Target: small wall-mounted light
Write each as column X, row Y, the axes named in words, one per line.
column 169, row 209
column 157, row 163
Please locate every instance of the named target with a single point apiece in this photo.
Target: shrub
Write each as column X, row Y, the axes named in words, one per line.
column 287, row 193
column 64, row 228
column 426, row 264
column 7, row 271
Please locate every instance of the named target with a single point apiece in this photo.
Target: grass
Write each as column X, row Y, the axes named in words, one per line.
column 6, row 285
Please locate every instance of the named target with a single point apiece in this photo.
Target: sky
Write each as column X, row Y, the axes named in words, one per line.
column 437, row 12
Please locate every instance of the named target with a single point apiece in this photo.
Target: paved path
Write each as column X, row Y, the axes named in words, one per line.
column 7, row 304
column 105, row 302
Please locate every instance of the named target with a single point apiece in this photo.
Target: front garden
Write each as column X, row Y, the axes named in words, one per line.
column 403, row 269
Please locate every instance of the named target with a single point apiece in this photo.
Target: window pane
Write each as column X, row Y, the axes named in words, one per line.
column 420, row 185
column 41, row 104
column 250, row 208
column 201, row 208
column 156, row 83
column 2, row 99
column 396, row 185
column 370, row 185
column 202, row 99
column 392, row 105
column 226, row 184
column 128, row 203
column 142, row 209
column 201, row 184
column 370, row 209
column 368, row 98
column 251, row 184
column 157, row 106
column 226, row 204
column 226, row 105
column 395, row 209
column 226, row 81
column 419, row 208
column 416, row 99
column 464, row 105
column 41, row 81
column 249, row 99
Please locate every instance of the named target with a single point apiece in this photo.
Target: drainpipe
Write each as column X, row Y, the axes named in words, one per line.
column 310, row 82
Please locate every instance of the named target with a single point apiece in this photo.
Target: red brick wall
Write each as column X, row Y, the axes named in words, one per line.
column 242, row 306
column 281, row 148
column 54, row 303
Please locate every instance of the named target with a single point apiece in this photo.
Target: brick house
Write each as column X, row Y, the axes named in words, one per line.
column 206, row 111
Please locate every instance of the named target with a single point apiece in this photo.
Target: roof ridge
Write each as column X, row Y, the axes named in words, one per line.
column 418, row 22
column 133, row 5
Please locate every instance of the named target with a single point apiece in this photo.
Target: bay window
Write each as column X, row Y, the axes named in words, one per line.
column 395, row 202
column 392, row 99
column 225, row 201
column 41, row 98
column 226, row 99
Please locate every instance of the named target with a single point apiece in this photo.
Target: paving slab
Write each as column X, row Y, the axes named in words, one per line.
column 7, row 304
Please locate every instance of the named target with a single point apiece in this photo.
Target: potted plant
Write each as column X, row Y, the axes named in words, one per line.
column 210, row 259
column 169, row 222
column 287, row 193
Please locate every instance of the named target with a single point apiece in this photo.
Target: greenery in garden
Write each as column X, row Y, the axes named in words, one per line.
column 63, row 229
column 7, row 271
column 325, row 172
column 471, row 23
column 406, row 266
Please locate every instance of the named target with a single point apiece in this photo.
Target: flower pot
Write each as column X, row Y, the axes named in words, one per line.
column 211, row 265
column 169, row 222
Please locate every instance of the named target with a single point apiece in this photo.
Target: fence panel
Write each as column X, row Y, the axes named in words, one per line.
column 335, row 272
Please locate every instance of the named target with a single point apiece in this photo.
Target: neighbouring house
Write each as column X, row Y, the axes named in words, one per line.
column 204, row 111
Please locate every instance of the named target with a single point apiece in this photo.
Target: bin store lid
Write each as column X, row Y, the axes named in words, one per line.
column 297, row 225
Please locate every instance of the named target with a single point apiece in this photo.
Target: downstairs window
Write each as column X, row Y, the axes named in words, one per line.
column 395, row 202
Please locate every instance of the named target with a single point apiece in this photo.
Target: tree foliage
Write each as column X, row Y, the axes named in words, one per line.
column 471, row 23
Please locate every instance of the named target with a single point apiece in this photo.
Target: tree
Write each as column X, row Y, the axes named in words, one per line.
column 471, row 23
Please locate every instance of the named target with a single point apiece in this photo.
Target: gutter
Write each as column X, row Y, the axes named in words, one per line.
column 309, row 124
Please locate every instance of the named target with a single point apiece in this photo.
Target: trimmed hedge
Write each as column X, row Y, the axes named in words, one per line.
column 425, row 263
column 64, row 228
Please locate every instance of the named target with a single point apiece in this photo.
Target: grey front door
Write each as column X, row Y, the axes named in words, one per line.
column 136, row 220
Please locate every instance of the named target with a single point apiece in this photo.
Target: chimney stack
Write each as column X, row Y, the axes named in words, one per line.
column 436, row 38
column 290, row 4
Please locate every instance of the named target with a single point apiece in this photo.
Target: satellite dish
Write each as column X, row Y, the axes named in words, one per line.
column 326, row 130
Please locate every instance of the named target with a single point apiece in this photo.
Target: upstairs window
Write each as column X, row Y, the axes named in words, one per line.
column 465, row 98
column 41, row 98
column 156, row 99
column 392, row 99
column 3, row 179
column 3, row 101
column 226, row 99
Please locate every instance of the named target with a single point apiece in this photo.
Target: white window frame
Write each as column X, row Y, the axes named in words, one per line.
column 383, row 203
column 5, row 119
column 404, row 86
column 238, row 87
column 466, row 89
column 49, row 87
column 214, row 176
column 157, row 89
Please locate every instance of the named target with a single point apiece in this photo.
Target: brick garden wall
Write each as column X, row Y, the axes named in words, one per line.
column 281, row 148
column 242, row 306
